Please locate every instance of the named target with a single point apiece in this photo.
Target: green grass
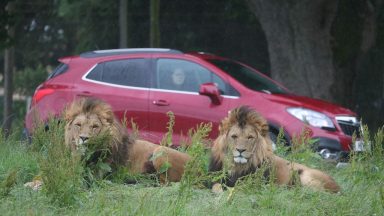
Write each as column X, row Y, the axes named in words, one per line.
column 362, row 185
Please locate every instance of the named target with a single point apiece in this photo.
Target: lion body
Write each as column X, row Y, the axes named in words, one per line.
column 243, row 146
column 88, row 118
column 141, row 151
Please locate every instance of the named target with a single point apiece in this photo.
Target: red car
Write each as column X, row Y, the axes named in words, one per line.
column 144, row 84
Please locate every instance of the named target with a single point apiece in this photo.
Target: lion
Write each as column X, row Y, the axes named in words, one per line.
column 243, row 146
column 87, row 118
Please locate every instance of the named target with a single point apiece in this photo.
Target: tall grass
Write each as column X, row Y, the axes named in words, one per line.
column 195, row 173
column 66, row 193
column 60, row 170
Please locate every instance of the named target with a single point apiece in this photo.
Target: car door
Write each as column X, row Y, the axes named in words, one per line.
column 188, row 106
column 124, row 84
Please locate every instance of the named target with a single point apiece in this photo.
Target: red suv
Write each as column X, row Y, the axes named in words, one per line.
column 144, row 84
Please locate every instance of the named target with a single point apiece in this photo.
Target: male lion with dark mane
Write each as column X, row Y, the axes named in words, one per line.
column 243, row 146
column 88, row 118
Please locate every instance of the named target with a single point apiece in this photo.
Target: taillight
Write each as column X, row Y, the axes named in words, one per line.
column 40, row 93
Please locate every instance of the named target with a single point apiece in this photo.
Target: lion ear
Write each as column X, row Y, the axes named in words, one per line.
column 109, row 116
column 66, row 115
column 264, row 130
column 224, row 126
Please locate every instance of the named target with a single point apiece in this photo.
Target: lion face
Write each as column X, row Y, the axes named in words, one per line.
column 87, row 118
column 84, row 127
column 242, row 142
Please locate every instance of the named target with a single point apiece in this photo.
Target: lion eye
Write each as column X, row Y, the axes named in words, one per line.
column 95, row 126
column 78, row 125
column 250, row 137
column 234, row 136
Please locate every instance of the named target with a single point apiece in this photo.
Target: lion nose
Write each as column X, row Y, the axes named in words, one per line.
column 240, row 150
column 83, row 138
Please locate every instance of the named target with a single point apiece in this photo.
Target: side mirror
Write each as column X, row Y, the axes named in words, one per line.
column 211, row 90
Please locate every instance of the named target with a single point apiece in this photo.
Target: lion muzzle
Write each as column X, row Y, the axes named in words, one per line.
column 240, row 156
column 80, row 144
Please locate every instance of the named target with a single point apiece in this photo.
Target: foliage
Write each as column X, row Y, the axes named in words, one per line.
column 7, row 184
column 167, row 139
column 60, row 170
column 10, row 180
column 19, row 163
column 195, row 173
column 94, row 156
column 6, row 19
column 96, row 21
column 19, row 110
column 27, row 80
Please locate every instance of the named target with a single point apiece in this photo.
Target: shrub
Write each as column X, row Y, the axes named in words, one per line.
column 61, row 171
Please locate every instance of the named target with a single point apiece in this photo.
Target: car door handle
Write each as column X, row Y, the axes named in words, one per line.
column 161, row 102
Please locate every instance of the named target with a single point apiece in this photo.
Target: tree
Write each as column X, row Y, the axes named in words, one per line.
column 9, row 65
column 90, row 24
column 299, row 43
column 123, row 24
column 154, row 23
column 328, row 49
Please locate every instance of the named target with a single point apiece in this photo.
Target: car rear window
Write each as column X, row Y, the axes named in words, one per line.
column 126, row 72
column 62, row 68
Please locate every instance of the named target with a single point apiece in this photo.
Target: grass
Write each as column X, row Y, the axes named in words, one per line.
column 65, row 193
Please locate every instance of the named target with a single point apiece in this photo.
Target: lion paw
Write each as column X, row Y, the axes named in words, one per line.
column 35, row 184
column 217, row 188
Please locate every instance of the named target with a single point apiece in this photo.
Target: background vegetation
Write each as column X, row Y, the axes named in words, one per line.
column 332, row 52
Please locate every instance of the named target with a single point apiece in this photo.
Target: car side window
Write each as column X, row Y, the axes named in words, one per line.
column 126, row 72
column 182, row 75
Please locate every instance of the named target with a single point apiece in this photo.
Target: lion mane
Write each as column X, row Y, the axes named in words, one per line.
column 87, row 118
column 243, row 146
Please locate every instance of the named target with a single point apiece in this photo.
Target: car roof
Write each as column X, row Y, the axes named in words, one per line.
column 112, row 52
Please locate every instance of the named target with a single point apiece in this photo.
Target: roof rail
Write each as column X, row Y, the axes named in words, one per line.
column 110, row 52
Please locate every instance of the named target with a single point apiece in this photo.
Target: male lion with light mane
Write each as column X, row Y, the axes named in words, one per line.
column 87, row 118
column 243, row 146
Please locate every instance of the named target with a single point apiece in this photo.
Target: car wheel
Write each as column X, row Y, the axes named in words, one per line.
column 327, row 154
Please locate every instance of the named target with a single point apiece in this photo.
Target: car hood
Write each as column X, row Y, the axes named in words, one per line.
column 290, row 100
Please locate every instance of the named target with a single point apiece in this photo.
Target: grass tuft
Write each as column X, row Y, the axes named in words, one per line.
column 66, row 192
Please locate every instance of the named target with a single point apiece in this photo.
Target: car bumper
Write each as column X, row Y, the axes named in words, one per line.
column 327, row 143
column 331, row 148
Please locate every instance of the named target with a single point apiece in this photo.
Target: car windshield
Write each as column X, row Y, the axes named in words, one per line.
column 248, row 77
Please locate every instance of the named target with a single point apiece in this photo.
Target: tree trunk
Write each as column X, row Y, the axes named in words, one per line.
column 9, row 65
column 123, row 24
column 299, row 43
column 154, row 23
column 8, row 90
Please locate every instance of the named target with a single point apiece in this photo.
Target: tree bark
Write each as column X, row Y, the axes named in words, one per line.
column 9, row 65
column 299, row 43
column 123, row 24
column 154, row 23
column 369, row 15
